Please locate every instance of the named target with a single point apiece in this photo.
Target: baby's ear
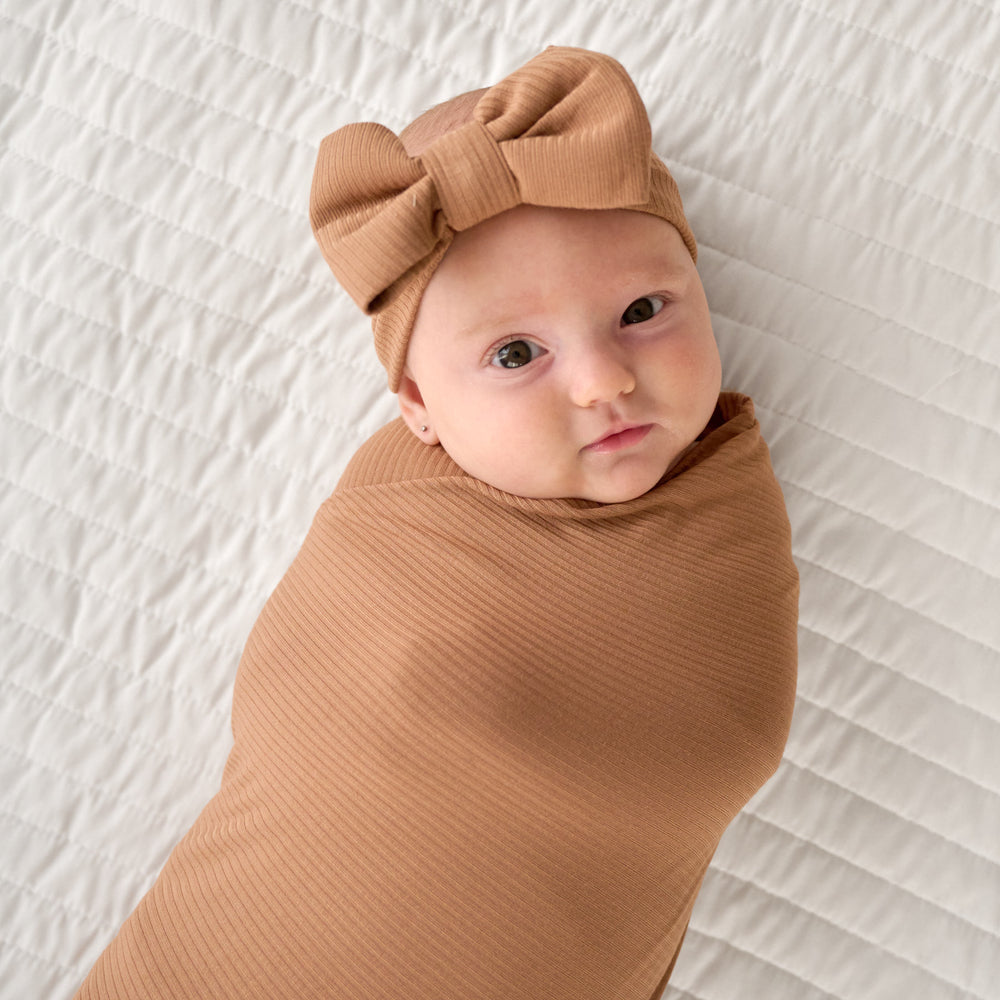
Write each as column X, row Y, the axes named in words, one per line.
column 411, row 406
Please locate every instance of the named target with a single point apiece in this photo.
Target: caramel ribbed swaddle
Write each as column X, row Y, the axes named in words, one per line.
column 484, row 746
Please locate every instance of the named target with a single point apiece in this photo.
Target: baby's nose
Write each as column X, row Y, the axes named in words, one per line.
column 601, row 375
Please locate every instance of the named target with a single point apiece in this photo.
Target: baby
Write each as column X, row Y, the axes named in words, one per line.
column 538, row 648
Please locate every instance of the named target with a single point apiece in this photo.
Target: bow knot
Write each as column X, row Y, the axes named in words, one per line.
column 470, row 175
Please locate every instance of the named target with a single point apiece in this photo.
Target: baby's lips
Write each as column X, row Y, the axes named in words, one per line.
column 620, row 437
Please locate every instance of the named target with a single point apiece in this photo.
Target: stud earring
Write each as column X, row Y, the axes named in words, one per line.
column 423, row 428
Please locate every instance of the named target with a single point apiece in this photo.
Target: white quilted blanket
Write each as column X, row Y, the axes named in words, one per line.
column 181, row 382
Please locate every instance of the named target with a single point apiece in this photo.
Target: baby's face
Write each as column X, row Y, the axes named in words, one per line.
column 563, row 353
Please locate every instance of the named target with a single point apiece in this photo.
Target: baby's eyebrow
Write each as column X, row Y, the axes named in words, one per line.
column 493, row 327
column 661, row 267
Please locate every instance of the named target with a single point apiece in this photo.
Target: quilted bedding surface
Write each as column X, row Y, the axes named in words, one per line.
column 181, row 383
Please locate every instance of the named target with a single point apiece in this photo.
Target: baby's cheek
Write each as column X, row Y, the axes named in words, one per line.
column 697, row 361
column 483, row 450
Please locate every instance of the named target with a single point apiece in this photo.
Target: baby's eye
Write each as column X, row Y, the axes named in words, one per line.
column 642, row 309
column 515, row 354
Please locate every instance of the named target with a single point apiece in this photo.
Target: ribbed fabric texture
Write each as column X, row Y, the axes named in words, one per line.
column 566, row 130
column 484, row 746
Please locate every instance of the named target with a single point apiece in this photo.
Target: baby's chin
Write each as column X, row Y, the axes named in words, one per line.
column 629, row 480
column 617, row 493
column 624, row 480
column 613, row 490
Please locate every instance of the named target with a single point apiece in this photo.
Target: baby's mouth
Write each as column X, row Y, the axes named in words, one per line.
column 622, row 437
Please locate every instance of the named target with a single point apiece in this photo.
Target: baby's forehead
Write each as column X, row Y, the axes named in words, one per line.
column 630, row 239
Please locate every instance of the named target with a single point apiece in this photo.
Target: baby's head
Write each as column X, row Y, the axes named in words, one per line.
column 535, row 297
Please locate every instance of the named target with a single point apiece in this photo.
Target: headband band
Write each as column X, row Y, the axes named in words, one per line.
column 566, row 130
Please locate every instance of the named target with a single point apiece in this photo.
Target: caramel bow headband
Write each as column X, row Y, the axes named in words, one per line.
column 566, row 130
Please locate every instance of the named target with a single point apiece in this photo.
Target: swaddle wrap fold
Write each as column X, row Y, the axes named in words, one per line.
column 485, row 746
